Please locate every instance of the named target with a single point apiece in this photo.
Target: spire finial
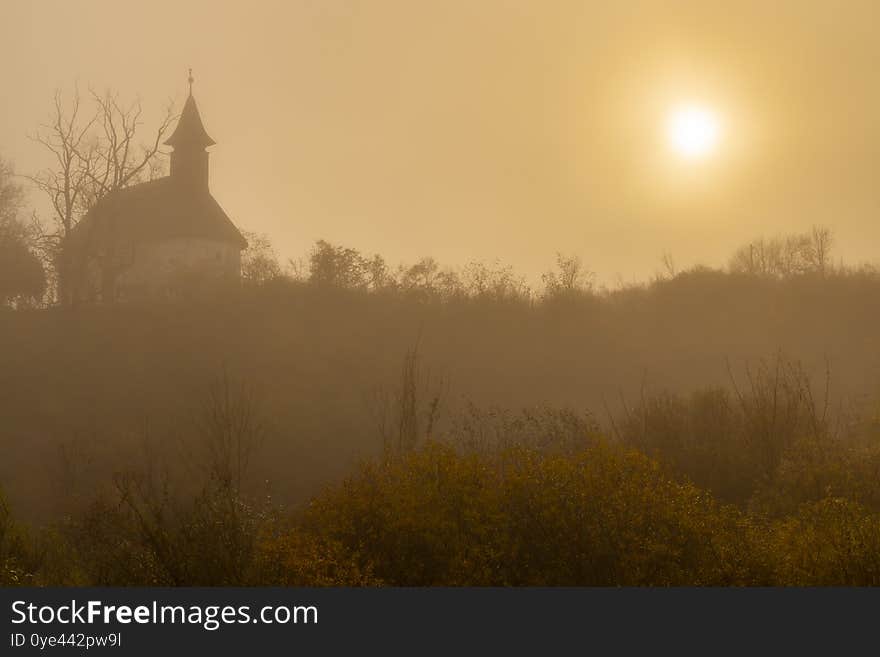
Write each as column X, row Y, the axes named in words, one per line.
column 190, row 79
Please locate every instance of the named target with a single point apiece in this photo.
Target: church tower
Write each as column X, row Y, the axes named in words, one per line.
column 189, row 160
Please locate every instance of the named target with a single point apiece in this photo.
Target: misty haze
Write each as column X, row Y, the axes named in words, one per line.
column 412, row 294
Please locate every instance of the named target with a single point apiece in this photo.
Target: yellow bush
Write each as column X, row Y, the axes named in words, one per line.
column 601, row 516
column 834, row 542
column 296, row 558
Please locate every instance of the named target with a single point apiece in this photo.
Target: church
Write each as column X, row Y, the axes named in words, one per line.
column 155, row 238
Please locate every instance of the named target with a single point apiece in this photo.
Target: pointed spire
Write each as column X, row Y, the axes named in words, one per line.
column 190, row 131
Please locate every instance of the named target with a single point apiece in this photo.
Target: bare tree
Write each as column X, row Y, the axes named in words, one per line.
column 497, row 282
column 408, row 414
column 781, row 257
column 231, row 429
column 819, row 253
column 668, row 262
column 94, row 152
column 569, row 278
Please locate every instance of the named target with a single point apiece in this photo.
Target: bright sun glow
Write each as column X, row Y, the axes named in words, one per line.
column 693, row 131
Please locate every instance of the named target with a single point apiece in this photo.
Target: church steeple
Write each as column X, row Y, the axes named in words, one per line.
column 189, row 160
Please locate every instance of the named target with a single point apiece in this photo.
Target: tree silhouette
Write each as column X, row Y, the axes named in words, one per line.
column 21, row 274
column 94, row 152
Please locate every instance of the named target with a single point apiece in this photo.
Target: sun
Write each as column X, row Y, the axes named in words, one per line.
column 693, row 131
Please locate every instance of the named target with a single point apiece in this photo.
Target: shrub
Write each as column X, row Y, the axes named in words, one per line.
column 601, row 516
column 834, row 542
column 292, row 557
column 735, row 441
column 19, row 556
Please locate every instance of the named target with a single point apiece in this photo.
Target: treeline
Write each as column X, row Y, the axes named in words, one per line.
column 787, row 495
column 332, row 266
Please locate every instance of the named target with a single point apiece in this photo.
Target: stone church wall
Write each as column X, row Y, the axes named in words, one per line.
column 161, row 267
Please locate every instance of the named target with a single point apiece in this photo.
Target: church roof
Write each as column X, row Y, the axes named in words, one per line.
column 190, row 130
column 152, row 211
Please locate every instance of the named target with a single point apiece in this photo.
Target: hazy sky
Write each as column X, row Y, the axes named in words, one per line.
column 492, row 129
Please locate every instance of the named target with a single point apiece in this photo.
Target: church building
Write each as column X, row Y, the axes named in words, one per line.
column 154, row 238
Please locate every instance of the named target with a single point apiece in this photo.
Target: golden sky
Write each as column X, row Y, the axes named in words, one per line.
column 506, row 129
